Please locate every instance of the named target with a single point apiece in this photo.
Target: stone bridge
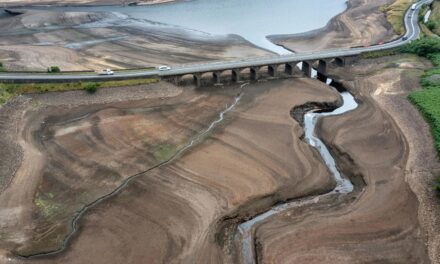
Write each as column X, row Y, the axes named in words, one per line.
column 271, row 70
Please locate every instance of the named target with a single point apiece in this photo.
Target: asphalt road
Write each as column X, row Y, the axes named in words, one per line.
column 412, row 32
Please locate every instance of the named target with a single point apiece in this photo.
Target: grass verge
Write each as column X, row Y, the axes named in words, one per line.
column 435, row 17
column 395, row 13
column 380, row 53
column 427, row 100
column 8, row 90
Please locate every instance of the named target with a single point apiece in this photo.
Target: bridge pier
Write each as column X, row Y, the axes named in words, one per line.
column 176, row 80
column 197, row 79
column 322, row 77
column 236, row 75
column 273, row 70
column 322, row 66
column 255, row 75
column 339, row 62
column 289, row 67
column 307, row 68
column 217, row 77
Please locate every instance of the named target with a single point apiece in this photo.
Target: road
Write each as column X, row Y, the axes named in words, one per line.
column 412, row 32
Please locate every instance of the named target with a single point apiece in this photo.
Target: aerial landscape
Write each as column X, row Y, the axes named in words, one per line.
column 220, row 131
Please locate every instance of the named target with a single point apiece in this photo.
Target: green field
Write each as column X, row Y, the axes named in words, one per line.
column 8, row 90
column 428, row 99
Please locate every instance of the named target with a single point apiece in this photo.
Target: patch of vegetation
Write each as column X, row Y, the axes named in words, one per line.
column 431, row 25
column 2, row 67
column 424, row 47
column 380, row 53
column 435, row 17
column 91, row 87
column 47, row 206
column 395, row 13
column 53, row 69
column 164, row 152
column 427, row 100
column 8, row 90
column 437, row 186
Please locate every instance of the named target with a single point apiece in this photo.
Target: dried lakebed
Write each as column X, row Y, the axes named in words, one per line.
column 343, row 185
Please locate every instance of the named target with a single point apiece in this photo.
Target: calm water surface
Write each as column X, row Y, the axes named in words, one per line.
column 251, row 19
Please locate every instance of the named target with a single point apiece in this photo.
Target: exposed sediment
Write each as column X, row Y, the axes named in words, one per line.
column 248, row 172
column 362, row 24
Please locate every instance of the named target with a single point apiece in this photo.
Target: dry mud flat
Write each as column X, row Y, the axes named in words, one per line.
column 184, row 211
column 394, row 218
column 173, row 213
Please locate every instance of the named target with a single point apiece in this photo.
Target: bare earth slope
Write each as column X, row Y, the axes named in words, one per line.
column 385, row 217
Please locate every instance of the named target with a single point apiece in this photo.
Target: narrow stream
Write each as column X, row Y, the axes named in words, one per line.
column 343, row 185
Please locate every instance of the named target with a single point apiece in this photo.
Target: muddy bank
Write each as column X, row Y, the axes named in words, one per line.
column 362, row 24
column 275, row 169
column 387, row 216
column 91, row 41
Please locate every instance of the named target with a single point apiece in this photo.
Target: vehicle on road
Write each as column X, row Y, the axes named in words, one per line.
column 404, row 38
column 106, row 72
column 413, row 7
column 164, row 68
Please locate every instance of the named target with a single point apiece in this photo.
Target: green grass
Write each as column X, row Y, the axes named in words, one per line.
column 47, row 206
column 380, row 53
column 8, row 90
column 427, row 100
column 164, row 152
column 395, row 13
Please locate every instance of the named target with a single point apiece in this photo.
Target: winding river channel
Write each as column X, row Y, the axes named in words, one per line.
column 244, row 235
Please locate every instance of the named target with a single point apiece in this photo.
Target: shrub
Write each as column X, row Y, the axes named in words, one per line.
column 431, row 25
column 423, row 47
column 53, row 69
column 91, row 87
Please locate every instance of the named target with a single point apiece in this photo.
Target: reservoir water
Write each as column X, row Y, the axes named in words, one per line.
column 253, row 20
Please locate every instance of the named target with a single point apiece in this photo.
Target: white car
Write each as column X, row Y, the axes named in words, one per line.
column 106, row 72
column 164, row 68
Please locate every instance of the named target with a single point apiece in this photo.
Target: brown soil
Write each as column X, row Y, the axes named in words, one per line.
column 173, row 212
column 388, row 143
column 362, row 24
